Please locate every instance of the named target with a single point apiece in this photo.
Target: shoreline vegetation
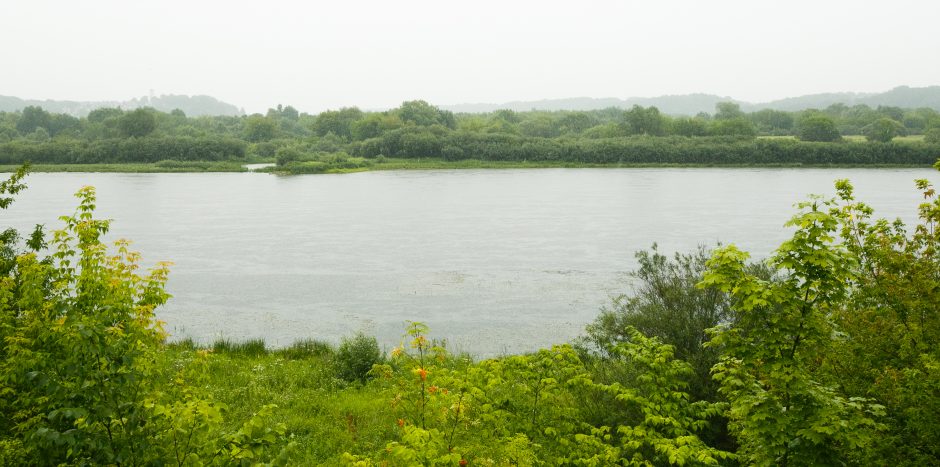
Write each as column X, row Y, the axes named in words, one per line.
column 402, row 164
column 417, row 136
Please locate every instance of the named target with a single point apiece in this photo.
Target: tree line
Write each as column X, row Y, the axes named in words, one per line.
column 417, row 129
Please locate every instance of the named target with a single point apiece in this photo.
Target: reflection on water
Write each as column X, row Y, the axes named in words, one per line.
column 493, row 260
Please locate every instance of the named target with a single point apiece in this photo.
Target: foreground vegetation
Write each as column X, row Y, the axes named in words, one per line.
column 352, row 140
column 826, row 354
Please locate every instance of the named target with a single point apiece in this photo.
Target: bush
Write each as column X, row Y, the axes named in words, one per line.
column 932, row 136
column 355, row 357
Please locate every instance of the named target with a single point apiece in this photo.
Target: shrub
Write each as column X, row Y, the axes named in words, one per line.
column 932, row 136
column 355, row 357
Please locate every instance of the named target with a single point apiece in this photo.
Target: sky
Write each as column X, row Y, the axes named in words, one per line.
column 375, row 54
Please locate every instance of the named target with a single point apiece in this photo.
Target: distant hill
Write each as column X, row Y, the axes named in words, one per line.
column 691, row 104
column 193, row 106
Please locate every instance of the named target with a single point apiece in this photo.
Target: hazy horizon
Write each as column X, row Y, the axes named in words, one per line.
column 376, row 55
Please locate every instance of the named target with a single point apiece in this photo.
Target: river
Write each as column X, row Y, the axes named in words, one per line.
column 495, row 261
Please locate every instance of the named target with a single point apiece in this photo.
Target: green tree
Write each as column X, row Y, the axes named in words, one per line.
column 732, row 127
column 576, row 122
column 137, row 123
column 818, row 127
column 932, row 136
column 666, row 304
column 690, row 126
column 104, row 113
column 31, row 118
column 772, row 121
column 883, row 130
column 423, row 114
column 259, row 128
column 893, row 321
column 783, row 410
column 648, row 121
column 728, row 111
column 339, row 122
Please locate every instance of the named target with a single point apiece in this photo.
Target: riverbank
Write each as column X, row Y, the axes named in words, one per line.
column 353, row 165
column 157, row 167
column 364, row 165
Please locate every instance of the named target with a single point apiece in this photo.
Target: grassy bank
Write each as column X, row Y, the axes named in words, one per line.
column 358, row 164
column 364, row 165
column 156, row 167
column 326, row 415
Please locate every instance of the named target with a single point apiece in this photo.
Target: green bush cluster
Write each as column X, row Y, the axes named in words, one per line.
column 149, row 149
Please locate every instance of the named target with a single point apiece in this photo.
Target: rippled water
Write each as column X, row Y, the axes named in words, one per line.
column 493, row 260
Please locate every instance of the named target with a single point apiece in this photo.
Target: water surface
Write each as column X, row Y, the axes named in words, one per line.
column 494, row 260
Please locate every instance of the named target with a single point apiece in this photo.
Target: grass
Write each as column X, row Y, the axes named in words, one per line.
column 325, row 415
column 156, row 167
column 250, row 348
column 439, row 164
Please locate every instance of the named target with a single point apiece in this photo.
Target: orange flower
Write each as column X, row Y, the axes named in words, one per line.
column 422, row 373
column 432, row 389
column 401, row 422
column 463, row 462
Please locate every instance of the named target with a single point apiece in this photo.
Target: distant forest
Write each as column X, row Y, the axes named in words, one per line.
column 351, row 138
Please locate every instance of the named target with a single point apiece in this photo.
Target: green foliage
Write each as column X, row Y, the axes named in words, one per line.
column 932, row 136
column 732, row 127
column 728, row 111
column 642, row 121
column 783, row 409
column 883, row 130
column 819, row 128
column 664, row 432
column 417, row 129
column 32, row 118
column 250, row 347
column 665, row 304
column 259, row 128
column 307, row 348
column 529, row 409
column 137, row 123
column 894, row 320
column 356, row 356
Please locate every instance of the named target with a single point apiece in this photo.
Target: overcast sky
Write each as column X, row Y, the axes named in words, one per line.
column 375, row 54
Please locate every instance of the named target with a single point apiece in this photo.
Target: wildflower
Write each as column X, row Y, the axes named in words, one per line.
column 463, row 462
column 401, row 422
column 432, row 389
column 396, row 352
column 422, row 373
